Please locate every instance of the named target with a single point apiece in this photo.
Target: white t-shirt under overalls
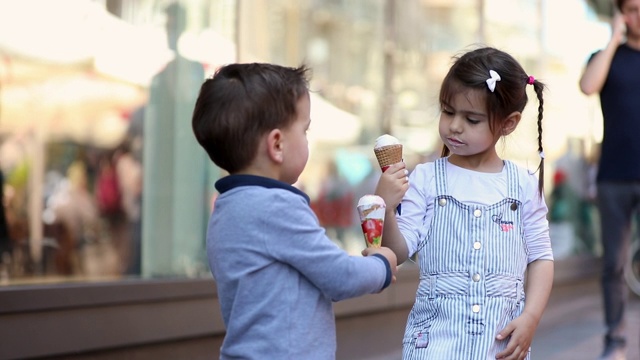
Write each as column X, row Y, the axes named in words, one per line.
column 475, row 234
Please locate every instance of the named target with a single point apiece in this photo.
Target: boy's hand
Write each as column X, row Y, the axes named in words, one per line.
column 393, row 184
column 387, row 253
column 521, row 331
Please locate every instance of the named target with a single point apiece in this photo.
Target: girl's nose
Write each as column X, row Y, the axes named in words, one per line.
column 456, row 125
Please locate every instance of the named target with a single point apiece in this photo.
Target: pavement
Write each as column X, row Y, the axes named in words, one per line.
column 572, row 325
column 570, row 329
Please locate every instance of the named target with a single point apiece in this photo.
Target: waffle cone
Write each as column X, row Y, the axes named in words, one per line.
column 388, row 155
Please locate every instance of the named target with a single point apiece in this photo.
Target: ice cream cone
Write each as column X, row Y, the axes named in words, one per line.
column 388, row 155
column 388, row 151
column 371, row 209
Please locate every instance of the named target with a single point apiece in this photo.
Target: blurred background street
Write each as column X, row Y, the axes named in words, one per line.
column 572, row 326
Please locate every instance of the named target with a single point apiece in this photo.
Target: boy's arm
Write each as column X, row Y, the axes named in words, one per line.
column 596, row 71
column 522, row 329
column 390, row 260
column 304, row 245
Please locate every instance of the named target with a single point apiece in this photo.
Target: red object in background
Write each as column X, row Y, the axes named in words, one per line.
column 108, row 195
column 334, row 212
column 559, row 177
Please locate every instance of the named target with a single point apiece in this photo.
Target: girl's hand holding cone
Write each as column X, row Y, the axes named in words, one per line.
column 388, row 151
column 393, row 184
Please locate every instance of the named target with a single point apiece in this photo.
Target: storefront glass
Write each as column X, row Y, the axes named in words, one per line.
column 103, row 179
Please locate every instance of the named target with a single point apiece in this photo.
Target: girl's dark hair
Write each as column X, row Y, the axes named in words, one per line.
column 471, row 71
column 242, row 102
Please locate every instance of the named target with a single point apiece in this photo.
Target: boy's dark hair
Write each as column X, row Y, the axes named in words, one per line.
column 241, row 103
column 471, row 71
column 619, row 4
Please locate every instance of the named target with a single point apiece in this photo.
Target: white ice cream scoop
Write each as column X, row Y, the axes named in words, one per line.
column 385, row 140
column 371, row 200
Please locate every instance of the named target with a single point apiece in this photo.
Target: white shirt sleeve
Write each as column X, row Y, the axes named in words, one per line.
column 534, row 220
column 417, row 206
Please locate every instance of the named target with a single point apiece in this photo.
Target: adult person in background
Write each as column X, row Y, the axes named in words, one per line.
column 75, row 220
column 176, row 185
column 129, row 173
column 130, row 167
column 335, row 204
column 5, row 240
column 614, row 73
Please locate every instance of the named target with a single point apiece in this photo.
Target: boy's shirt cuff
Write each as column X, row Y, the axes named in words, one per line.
column 387, row 280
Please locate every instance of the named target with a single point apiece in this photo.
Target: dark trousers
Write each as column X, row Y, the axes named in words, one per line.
column 617, row 203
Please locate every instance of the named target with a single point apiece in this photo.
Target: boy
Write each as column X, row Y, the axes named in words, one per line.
column 276, row 271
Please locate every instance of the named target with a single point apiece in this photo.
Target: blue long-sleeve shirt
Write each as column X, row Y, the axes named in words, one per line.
column 277, row 272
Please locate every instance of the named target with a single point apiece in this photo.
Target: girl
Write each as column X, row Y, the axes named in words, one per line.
column 477, row 222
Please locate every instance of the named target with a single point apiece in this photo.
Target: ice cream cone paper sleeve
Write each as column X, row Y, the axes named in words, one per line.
column 372, row 219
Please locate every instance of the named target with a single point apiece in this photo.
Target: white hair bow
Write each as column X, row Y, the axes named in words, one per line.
column 491, row 82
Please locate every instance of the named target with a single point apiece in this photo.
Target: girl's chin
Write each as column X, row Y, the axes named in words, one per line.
column 460, row 153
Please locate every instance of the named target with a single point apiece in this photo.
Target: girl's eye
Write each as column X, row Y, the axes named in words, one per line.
column 473, row 122
column 447, row 111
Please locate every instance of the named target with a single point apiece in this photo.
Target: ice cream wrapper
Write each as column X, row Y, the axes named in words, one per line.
column 371, row 209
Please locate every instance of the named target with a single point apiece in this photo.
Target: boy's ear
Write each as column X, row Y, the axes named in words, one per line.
column 511, row 123
column 275, row 145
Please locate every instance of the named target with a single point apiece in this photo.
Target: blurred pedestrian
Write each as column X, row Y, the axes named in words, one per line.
column 5, row 241
column 478, row 222
column 75, row 218
column 613, row 72
column 335, row 204
column 276, row 271
column 129, row 173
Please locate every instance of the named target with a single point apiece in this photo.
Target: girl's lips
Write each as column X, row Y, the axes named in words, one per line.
column 455, row 142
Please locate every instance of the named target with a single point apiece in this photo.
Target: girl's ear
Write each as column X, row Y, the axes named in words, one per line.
column 275, row 145
column 511, row 123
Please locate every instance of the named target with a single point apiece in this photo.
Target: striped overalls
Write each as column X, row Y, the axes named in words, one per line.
column 472, row 265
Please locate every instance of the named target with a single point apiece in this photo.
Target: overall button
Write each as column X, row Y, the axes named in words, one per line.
column 514, row 206
column 477, row 245
column 475, row 308
column 442, row 202
column 477, row 213
column 476, row 277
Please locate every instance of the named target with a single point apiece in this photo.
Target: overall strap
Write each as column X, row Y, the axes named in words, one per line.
column 440, row 166
column 512, row 180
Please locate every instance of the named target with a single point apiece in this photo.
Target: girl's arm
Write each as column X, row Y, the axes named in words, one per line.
column 392, row 238
column 392, row 186
column 521, row 330
column 538, row 287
